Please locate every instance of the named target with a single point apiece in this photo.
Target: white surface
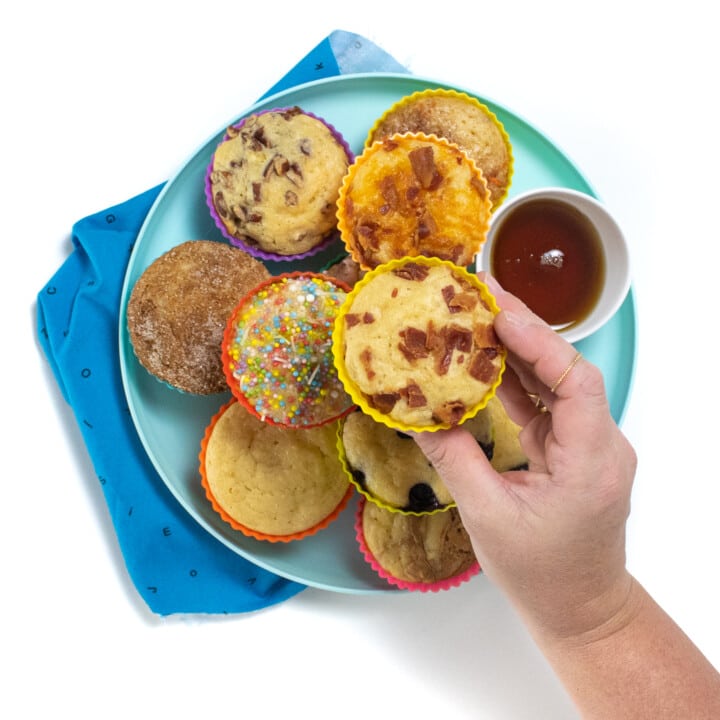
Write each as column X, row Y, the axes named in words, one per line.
column 102, row 104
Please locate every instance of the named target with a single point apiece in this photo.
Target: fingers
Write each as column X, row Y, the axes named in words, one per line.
column 460, row 462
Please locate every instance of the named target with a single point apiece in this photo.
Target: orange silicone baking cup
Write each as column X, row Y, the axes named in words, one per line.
column 463, row 96
column 275, row 371
column 437, row 586
column 481, row 225
column 338, row 345
column 245, row 530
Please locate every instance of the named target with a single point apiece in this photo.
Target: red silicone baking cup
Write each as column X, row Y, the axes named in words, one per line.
column 248, row 531
column 253, row 249
column 446, row 584
column 279, row 371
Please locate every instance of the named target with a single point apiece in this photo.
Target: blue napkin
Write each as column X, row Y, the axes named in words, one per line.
column 176, row 566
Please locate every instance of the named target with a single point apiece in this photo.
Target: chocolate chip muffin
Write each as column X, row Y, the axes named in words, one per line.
column 415, row 346
column 273, row 183
column 417, row 551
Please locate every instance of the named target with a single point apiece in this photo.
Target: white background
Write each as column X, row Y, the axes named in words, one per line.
column 102, row 101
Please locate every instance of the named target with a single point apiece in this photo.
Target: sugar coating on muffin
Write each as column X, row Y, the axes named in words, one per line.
column 277, row 350
column 415, row 344
column 462, row 120
column 178, row 308
column 413, row 194
column 269, row 480
column 273, row 181
column 417, row 548
column 389, row 468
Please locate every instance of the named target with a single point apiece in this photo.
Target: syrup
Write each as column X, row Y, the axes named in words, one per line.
column 550, row 255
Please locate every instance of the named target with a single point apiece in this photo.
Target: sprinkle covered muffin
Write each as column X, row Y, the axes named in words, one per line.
column 462, row 120
column 413, row 194
column 268, row 483
column 416, row 552
column 277, row 350
column 273, row 183
column 415, row 345
column 178, row 308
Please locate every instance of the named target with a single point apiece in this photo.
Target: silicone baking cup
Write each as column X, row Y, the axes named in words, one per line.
column 277, row 353
column 397, row 200
column 351, row 384
column 401, row 583
column 253, row 249
column 482, row 140
column 370, row 496
column 244, row 529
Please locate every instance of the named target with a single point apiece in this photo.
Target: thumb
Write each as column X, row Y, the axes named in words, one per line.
column 462, row 465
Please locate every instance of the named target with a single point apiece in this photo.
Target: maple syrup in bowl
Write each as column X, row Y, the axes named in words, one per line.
column 563, row 254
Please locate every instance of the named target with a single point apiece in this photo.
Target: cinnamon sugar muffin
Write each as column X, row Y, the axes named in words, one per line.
column 462, row 120
column 415, row 347
column 178, row 308
column 413, row 194
column 273, row 183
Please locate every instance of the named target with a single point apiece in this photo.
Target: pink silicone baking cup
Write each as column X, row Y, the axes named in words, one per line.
column 229, row 363
column 250, row 532
column 253, row 249
column 446, row 584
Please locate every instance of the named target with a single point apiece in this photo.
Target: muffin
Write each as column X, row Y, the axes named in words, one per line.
column 268, row 483
column 413, row 194
column 345, row 269
column 273, row 183
column 415, row 345
column 506, row 452
column 389, row 469
column 462, row 120
column 416, row 552
column 178, row 308
column 277, row 352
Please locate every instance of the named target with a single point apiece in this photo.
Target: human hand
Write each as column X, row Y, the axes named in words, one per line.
column 553, row 536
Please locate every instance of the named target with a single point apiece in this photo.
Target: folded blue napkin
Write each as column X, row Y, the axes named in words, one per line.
column 176, row 566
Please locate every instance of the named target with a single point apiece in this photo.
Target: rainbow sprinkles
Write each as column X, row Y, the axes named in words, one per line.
column 277, row 351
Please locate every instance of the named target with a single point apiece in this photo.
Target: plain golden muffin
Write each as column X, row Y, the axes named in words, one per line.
column 274, row 181
column 462, row 120
column 417, row 548
column 178, row 308
column 411, row 195
column 270, row 480
column 415, row 344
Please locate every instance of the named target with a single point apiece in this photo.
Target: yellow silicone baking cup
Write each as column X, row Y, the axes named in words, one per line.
column 338, row 345
column 497, row 196
column 480, row 224
column 366, row 493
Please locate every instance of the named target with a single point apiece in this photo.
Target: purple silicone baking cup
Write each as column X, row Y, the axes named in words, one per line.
column 252, row 249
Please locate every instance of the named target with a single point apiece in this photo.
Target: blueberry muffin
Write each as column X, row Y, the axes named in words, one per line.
column 389, row 468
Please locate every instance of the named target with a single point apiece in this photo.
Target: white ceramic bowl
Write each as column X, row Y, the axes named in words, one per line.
column 616, row 256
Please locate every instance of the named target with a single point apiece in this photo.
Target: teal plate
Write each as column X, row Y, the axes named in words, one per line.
column 171, row 424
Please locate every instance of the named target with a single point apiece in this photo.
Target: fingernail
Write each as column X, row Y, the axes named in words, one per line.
column 492, row 284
